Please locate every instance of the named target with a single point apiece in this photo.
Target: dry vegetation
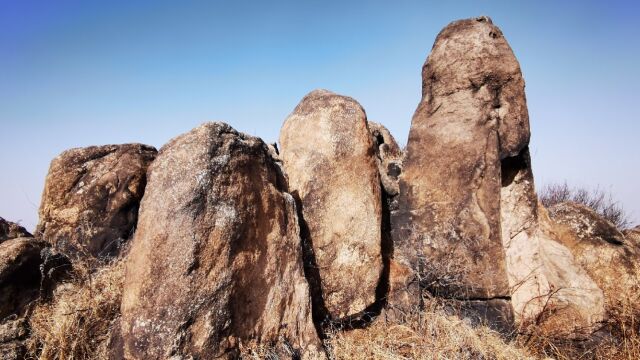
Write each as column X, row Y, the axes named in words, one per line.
column 597, row 199
column 435, row 335
column 429, row 334
column 76, row 323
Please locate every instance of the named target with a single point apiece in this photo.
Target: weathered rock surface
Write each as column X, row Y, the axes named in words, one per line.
column 389, row 158
column 632, row 237
column 19, row 274
column 91, row 198
column 215, row 265
column 544, row 277
column 472, row 115
column 600, row 248
column 13, row 332
column 468, row 226
column 330, row 159
column 10, row 230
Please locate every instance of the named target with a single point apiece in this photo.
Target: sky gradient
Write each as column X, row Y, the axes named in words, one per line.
column 79, row 73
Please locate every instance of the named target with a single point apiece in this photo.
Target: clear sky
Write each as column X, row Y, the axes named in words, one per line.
column 79, row 73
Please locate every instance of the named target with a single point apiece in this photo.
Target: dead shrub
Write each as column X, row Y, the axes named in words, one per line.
column 597, row 199
column 427, row 334
column 77, row 322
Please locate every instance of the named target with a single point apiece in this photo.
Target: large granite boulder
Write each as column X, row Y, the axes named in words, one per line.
column 91, row 198
column 10, row 230
column 330, row 159
column 215, row 266
column 610, row 257
column 472, row 115
column 467, row 225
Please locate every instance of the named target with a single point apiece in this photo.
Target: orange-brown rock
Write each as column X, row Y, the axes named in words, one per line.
column 10, row 230
column 330, row 160
column 467, row 225
column 610, row 257
column 473, row 114
column 91, row 198
column 389, row 157
column 215, row 266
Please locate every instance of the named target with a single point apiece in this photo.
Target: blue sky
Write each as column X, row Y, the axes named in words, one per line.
column 78, row 73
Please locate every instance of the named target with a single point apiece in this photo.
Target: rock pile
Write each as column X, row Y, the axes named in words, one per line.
column 234, row 248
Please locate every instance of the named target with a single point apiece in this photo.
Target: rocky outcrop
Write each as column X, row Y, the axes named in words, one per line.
column 19, row 274
column 330, row 160
column 468, row 226
column 215, row 266
column 600, row 248
column 20, row 280
column 91, row 198
column 10, row 230
column 389, row 158
column 472, row 115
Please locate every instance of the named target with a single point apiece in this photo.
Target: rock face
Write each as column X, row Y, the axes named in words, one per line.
column 468, row 226
column 389, row 158
column 19, row 274
column 91, row 198
column 12, row 335
column 472, row 116
column 632, row 237
column 9, row 230
column 600, row 248
column 330, row 159
column 215, row 265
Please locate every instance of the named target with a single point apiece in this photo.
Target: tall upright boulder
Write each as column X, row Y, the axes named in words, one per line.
column 215, row 266
column 467, row 226
column 472, row 115
column 330, row 159
column 91, row 198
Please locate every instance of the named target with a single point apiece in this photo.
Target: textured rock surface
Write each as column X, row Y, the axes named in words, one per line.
column 389, row 158
column 91, row 198
column 19, row 274
column 472, row 115
column 601, row 249
column 330, row 159
column 10, row 230
column 632, row 237
column 215, row 264
column 12, row 335
column 467, row 225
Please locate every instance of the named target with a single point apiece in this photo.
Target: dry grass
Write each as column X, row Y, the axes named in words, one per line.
column 76, row 324
column 597, row 199
column 433, row 334
column 430, row 334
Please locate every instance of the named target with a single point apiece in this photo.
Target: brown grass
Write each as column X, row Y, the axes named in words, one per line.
column 597, row 199
column 76, row 324
column 430, row 334
column 433, row 334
